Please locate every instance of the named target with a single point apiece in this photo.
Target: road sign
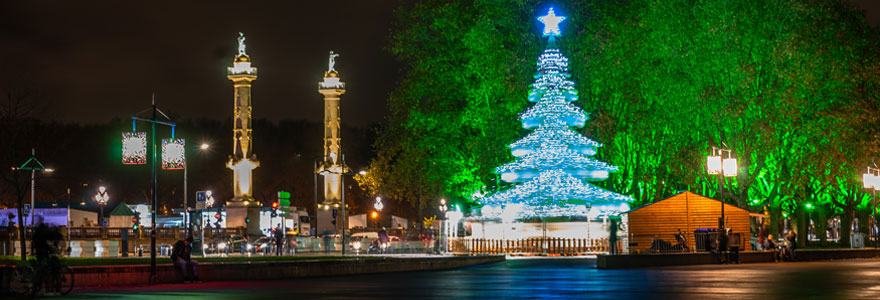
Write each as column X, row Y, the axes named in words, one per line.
column 27, row 209
column 201, row 197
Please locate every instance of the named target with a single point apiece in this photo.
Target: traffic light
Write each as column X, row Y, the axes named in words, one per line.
column 284, row 198
column 135, row 222
column 247, row 220
column 275, row 209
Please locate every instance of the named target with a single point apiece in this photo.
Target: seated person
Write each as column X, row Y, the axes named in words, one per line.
column 180, row 256
column 770, row 245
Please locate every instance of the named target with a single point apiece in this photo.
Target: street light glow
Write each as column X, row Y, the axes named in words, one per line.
column 102, row 197
column 205, row 146
column 362, row 173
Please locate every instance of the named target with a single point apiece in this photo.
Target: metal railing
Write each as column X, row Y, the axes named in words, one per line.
column 548, row 245
column 117, row 232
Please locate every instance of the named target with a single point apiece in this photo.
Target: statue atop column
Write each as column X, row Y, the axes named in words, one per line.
column 332, row 62
column 241, row 44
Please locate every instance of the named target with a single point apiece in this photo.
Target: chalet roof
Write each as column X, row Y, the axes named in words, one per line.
column 122, row 210
column 689, row 193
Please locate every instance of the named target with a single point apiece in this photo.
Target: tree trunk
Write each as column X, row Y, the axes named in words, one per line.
column 862, row 216
column 820, row 225
column 775, row 215
column 846, row 226
column 801, row 226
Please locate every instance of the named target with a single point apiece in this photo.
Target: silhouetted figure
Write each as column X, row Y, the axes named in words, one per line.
column 612, row 238
column 180, row 256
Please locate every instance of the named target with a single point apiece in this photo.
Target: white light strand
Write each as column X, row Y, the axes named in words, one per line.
column 554, row 193
column 576, row 164
column 552, row 137
column 547, row 111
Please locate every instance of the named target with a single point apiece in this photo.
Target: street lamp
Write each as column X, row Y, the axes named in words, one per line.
column 723, row 167
column 203, row 147
column 32, row 164
column 102, row 197
column 443, row 228
column 209, row 198
column 378, row 205
column 871, row 180
column 810, row 230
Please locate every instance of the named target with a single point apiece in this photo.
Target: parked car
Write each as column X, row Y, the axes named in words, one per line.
column 361, row 241
column 232, row 244
column 393, row 245
column 262, row 245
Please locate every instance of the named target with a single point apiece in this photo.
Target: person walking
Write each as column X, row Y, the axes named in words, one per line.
column 762, row 235
column 612, row 238
column 428, row 240
column 383, row 240
column 180, row 256
column 279, row 241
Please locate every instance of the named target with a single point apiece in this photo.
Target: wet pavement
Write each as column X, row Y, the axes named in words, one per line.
column 548, row 278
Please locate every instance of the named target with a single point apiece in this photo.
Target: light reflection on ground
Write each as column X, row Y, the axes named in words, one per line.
column 551, row 278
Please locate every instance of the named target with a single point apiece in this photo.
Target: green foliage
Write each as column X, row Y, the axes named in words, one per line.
column 789, row 86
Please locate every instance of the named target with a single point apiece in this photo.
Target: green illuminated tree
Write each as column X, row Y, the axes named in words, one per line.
column 789, row 86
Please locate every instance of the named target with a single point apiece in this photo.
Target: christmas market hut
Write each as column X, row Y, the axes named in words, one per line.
column 653, row 227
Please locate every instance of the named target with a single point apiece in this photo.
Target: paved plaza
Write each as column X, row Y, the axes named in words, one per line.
column 542, row 278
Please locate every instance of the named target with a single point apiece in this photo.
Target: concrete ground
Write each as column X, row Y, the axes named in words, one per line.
column 543, row 278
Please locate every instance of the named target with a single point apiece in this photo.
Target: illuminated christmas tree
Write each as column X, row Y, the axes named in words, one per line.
column 553, row 163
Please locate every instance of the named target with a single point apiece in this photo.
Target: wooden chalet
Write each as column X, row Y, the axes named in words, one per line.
column 685, row 211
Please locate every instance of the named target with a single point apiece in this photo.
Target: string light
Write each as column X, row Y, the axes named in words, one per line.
column 552, row 137
column 553, row 193
column 553, row 163
column 134, row 148
column 173, row 154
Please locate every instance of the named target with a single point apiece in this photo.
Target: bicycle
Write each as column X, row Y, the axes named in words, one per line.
column 31, row 279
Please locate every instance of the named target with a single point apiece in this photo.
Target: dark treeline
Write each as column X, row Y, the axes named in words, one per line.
column 91, row 155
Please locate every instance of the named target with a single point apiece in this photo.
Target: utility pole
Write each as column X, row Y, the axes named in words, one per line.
column 27, row 166
column 154, row 120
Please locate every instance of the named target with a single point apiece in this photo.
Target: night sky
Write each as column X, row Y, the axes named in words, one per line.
column 92, row 61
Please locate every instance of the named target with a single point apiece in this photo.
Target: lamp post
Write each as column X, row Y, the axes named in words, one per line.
column 32, row 164
column 723, row 167
column 186, row 222
column 209, row 201
column 442, row 228
column 154, row 199
column 809, row 207
column 102, row 197
column 378, row 206
column 871, row 180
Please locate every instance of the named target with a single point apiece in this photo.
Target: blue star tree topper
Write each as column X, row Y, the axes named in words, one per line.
column 551, row 23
